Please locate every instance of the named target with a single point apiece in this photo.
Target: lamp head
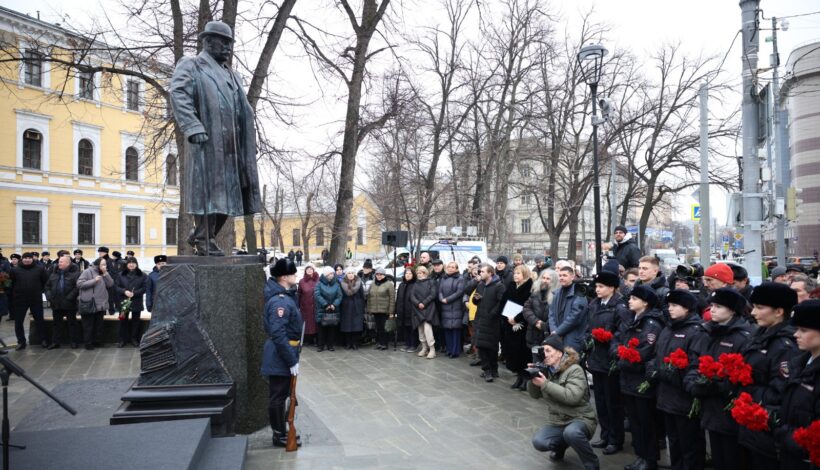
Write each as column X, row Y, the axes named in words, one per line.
column 591, row 59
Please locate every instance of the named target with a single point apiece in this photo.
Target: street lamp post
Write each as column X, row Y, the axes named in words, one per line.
column 591, row 59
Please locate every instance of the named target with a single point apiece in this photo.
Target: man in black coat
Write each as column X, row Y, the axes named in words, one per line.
column 62, row 291
column 488, row 297
column 625, row 248
column 28, row 283
column 81, row 262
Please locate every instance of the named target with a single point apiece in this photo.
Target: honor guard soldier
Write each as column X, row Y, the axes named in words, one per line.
column 280, row 356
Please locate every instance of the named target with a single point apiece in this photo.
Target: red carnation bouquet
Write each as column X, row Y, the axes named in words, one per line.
column 601, row 335
column 750, row 414
column 809, row 439
column 735, row 369
column 708, row 368
column 677, row 359
column 629, row 352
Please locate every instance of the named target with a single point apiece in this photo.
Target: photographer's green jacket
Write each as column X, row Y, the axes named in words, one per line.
column 567, row 394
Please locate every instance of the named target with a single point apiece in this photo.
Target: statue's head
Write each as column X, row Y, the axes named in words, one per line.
column 217, row 40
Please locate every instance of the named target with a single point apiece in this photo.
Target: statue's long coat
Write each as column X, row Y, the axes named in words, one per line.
column 206, row 97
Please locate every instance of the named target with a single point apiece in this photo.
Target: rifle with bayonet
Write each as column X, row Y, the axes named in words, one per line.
column 292, row 444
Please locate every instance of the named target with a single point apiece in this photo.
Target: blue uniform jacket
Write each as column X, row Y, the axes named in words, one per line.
column 282, row 322
column 151, row 288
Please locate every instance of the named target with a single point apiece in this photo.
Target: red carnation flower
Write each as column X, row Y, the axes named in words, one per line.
column 708, row 367
column 809, row 439
column 750, row 414
column 629, row 354
column 601, row 335
column 677, row 359
column 633, row 343
column 735, row 369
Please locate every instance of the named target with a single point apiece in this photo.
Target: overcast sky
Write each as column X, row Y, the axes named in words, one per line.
column 701, row 26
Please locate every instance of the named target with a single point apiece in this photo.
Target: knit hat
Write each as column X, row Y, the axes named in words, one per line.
column 554, row 341
column 683, row 298
column 539, row 259
column 621, row 228
column 645, row 293
column 739, row 273
column 607, row 278
column 283, row 267
column 612, row 266
column 775, row 295
column 729, row 298
column 807, row 314
column 722, row 272
column 381, row 271
column 327, row 270
column 368, row 263
column 777, row 272
column 502, row 259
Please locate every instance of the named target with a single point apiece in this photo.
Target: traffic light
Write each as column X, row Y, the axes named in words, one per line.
column 793, row 202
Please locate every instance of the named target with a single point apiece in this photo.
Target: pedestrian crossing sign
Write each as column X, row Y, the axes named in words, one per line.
column 696, row 212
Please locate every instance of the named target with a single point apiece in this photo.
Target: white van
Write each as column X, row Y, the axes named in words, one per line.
column 458, row 249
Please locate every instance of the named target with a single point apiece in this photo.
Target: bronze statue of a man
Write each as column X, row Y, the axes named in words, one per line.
column 212, row 111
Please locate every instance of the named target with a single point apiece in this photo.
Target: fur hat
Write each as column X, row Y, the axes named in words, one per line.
column 775, row 295
column 283, row 267
column 645, row 293
column 739, row 273
column 160, row 259
column 607, row 278
column 102, row 249
column 683, row 298
column 554, row 341
column 807, row 314
column 729, row 298
column 722, row 272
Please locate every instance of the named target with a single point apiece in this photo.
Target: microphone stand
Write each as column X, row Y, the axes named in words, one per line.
column 9, row 368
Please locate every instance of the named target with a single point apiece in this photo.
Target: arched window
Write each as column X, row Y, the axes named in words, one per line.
column 32, row 149
column 85, row 158
column 132, row 164
column 171, row 170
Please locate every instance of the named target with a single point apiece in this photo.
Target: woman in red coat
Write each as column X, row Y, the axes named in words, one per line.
column 304, row 293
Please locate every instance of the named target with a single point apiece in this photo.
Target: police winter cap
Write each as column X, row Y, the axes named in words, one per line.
column 283, row 267
column 645, row 293
column 775, row 295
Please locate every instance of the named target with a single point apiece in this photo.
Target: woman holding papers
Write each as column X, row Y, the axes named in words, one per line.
column 514, row 330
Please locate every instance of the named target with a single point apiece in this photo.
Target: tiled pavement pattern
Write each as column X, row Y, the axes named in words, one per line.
column 361, row 409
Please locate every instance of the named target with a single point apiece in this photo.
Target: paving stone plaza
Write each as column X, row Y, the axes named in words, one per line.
column 359, row 409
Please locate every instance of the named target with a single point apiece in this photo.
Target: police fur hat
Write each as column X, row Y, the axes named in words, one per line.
column 15, row 256
column 102, row 249
column 160, row 259
column 645, row 293
column 283, row 267
column 129, row 253
column 684, row 298
column 729, row 298
column 775, row 295
column 807, row 314
column 739, row 273
column 116, row 254
column 607, row 278
column 78, row 251
column 502, row 259
column 28, row 254
column 45, row 253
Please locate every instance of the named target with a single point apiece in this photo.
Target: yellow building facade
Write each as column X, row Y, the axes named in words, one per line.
column 363, row 238
column 74, row 168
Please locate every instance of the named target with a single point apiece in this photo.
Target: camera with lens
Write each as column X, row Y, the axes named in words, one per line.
column 538, row 368
column 687, row 271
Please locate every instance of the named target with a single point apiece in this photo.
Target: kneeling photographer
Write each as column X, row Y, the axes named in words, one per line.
column 571, row 421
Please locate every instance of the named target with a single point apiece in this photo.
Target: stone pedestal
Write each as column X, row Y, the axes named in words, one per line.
column 205, row 332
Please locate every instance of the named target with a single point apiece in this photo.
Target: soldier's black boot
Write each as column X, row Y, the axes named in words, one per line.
column 277, row 423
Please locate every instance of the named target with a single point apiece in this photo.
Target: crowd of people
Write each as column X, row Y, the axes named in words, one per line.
column 662, row 353
column 73, row 286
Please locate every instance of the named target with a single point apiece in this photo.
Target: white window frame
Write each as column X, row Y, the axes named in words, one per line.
column 132, row 140
column 133, row 211
column 40, row 123
column 45, row 69
column 125, row 79
column 165, row 217
column 32, row 204
column 96, row 95
column 92, row 133
column 85, row 207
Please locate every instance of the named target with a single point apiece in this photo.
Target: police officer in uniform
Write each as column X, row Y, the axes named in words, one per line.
column 280, row 356
column 768, row 352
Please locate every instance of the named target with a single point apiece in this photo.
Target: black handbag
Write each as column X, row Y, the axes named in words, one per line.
column 330, row 318
column 87, row 306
